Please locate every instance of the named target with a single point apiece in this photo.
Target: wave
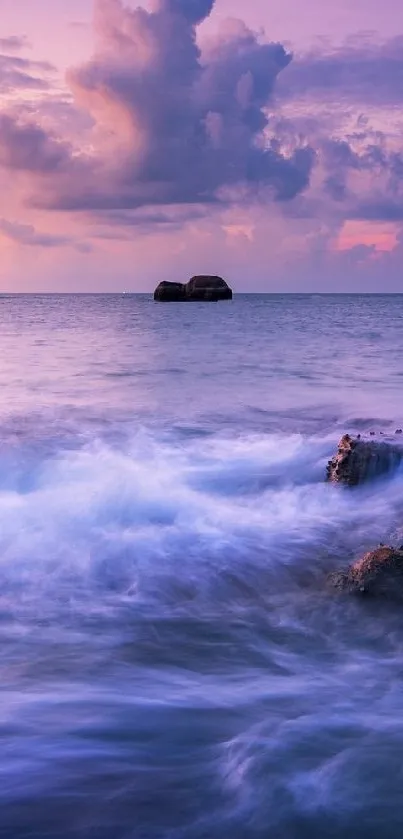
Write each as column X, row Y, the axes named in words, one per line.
column 172, row 520
column 171, row 657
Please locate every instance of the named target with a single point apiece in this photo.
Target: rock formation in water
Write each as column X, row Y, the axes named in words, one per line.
column 202, row 287
column 170, row 291
column 377, row 573
column 358, row 460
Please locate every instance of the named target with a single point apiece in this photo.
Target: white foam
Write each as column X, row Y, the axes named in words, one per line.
column 129, row 517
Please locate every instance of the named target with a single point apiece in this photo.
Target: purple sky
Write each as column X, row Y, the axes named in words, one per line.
column 262, row 141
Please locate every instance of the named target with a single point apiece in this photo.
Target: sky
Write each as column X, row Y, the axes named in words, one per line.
column 261, row 141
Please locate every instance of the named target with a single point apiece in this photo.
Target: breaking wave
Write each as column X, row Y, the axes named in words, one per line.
column 154, row 515
column 173, row 663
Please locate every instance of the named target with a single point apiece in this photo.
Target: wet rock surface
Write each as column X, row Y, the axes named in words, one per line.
column 377, row 573
column 199, row 288
column 358, row 459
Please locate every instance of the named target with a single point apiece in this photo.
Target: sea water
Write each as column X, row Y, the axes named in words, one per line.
column 173, row 663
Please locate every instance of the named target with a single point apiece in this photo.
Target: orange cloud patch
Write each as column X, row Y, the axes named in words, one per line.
column 382, row 237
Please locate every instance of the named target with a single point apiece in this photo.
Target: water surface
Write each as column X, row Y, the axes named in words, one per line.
column 173, row 665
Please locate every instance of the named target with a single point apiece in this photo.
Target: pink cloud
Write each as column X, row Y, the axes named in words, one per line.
column 377, row 235
column 14, row 43
column 185, row 123
column 196, row 138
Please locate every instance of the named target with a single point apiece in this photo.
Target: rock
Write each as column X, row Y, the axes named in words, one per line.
column 399, row 431
column 358, row 460
column 210, row 288
column 377, row 573
column 170, row 291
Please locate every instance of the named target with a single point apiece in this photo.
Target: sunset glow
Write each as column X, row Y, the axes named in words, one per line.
column 126, row 130
column 381, row 237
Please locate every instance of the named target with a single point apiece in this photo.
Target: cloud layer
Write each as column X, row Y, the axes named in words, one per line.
column 173, row 124
column 169, row 124
column 362, row 71
column 20, row 74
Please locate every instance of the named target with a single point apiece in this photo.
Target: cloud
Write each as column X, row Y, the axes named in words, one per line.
column 358, row 172
column 26, row 234
column 379, row 209
column 194, row 11
column 367, row 177
column 16, row 73
column 174, row 124
column 362, row 71
column 27, row 147
column 121, row 223
column 173, row 127
column 14, row 43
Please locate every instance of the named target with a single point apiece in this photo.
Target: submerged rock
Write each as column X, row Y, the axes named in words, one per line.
column 358, row 460
column 377, row 573
column 203, row 287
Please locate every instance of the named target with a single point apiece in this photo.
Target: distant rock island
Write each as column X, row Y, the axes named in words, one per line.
column 201, row 287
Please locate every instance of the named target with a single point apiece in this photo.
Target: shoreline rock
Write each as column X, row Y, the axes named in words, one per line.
column 199, row 288
column 378, row 573
column 359, row 460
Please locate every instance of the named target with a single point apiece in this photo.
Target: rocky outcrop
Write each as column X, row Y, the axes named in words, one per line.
column 357, row 460
column 170, row 291
column 377, row 573
column 208, row 288
column 203, row 287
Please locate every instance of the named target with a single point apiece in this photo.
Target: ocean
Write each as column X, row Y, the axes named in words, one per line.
column 173, row 662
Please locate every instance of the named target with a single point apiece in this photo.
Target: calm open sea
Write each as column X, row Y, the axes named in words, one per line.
column 172, row 663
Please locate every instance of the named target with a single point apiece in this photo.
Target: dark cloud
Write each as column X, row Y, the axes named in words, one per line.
column 359, row 175
column 187, row 125
column 168, row 124
column 28, row 148
column 361, row 71
column 194, row 11
column 119, row 224
column 380, row 209
column 383, row 172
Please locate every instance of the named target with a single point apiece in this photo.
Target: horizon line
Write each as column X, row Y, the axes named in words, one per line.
column 236, row 293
